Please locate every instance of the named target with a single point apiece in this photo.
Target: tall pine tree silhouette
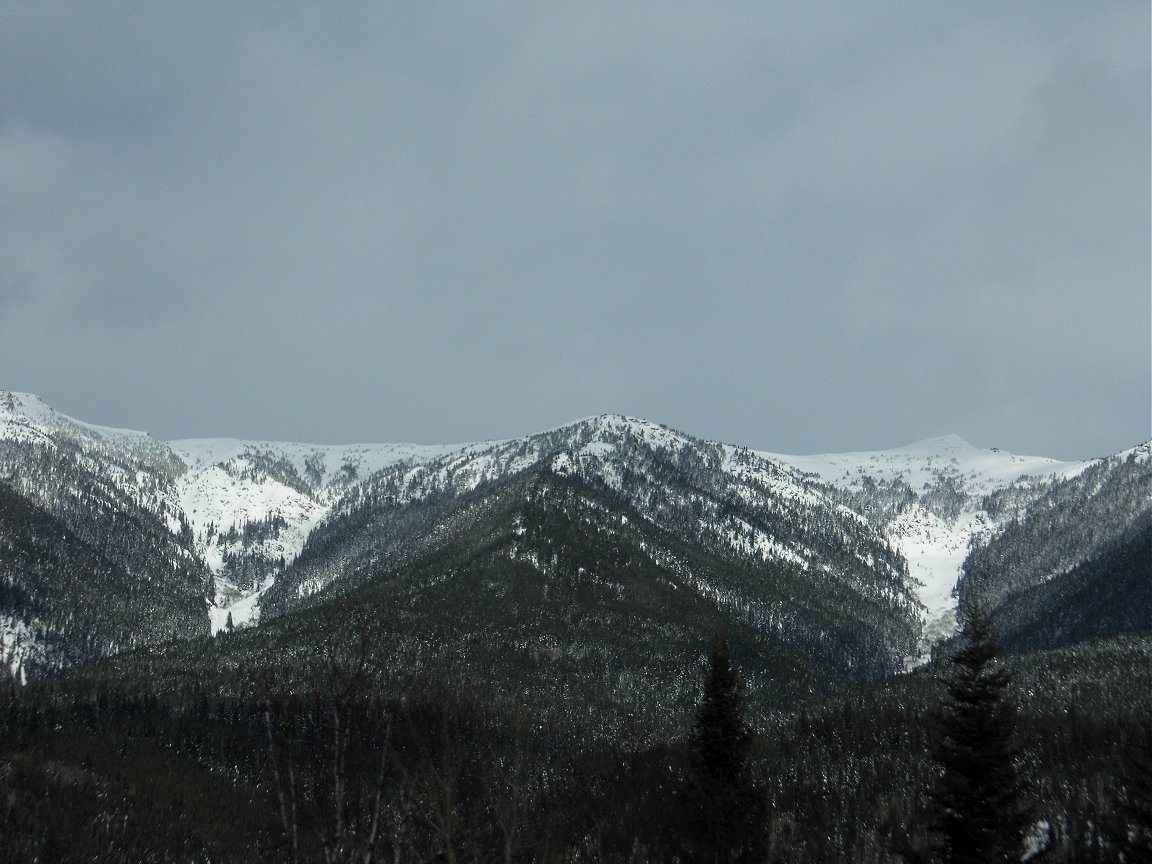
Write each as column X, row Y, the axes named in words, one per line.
column 726, row 810
column 980, row 807
column 1132, row 823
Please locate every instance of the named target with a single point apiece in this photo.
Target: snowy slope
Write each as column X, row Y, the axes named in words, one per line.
column 923, row 463
column 1071, row 523
column 233, row 487
column 945, row 480
column 250, row 505
column 26, row 417
column 133, row 467
column 139, row 466
column 20, row 646
column 320, row 465
column 250, row 502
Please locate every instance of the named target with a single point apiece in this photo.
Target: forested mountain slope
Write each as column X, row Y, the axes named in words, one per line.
column 62, row 602
column 499, row 646
column 113, row 492
column 1073, row 563
column 749, row 539
column 1109, row 593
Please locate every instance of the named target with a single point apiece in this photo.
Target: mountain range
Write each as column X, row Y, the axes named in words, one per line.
column 227, row 650
column 611, row 541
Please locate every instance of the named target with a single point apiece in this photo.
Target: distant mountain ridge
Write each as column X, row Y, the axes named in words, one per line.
column 848, row 547
column 754, row 540
column 936, row 499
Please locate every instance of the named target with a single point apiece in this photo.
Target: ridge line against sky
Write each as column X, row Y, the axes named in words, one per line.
column 940, row 444
column 803, row 228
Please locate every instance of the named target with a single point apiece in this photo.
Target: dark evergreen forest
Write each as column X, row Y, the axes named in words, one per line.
column 364, row 759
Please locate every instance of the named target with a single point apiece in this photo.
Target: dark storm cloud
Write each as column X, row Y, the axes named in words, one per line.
column 796, row 226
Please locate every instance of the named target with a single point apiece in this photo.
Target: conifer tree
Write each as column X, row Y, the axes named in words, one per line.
column 727, row 811
column 980, row 809
column 1133, row 831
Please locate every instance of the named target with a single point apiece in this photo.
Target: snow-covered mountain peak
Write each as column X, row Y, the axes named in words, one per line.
column 132, row 463
column 13, row 402
column 25, row 416
column 603, row 448
column 680, row 492
column 938, row 445
column 610, row 428
column 1139, row 453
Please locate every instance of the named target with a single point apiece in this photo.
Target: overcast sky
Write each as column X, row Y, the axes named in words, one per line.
column 798, row 226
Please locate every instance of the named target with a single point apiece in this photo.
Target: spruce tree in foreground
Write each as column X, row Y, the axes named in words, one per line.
column 1133, row 831
column 726, row 810
column 979, row 799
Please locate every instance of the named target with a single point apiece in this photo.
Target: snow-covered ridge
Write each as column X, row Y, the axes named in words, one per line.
column 597, row 446
column 934, row 536
column 20, row 646
column 1140, row 453
column 132, row 462
column 327, row 463
column 252, row 504
column 25, row 417
column 783, row 533
column 636, row 459
column 922, row 463
column 249, row 505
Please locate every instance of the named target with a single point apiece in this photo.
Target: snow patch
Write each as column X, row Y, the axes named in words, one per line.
column 244, row 608
column 935, row 551
column 19, row 644
column 214, row 500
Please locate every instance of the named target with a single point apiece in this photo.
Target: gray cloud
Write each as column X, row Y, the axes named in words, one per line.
column 797, row 226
